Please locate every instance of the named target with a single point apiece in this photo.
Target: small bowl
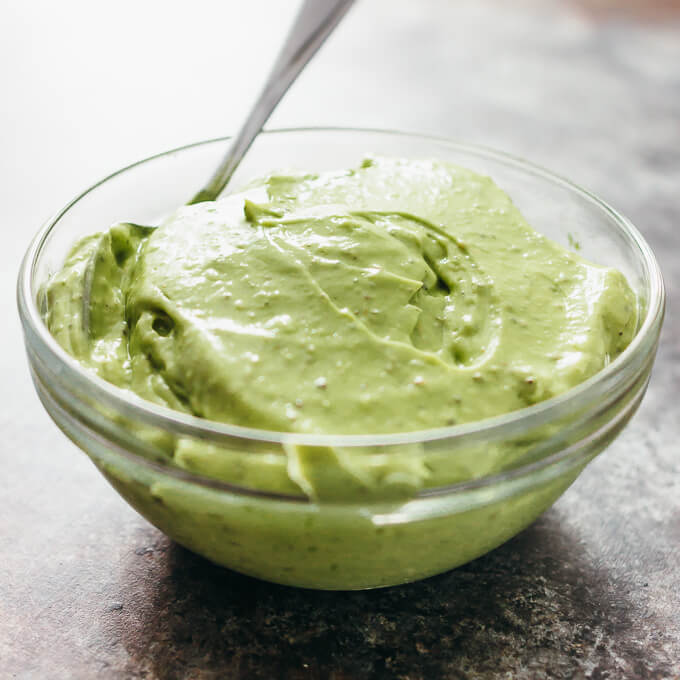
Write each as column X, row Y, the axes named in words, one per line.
column 495, row 476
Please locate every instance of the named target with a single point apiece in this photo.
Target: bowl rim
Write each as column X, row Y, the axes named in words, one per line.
column 168, row 419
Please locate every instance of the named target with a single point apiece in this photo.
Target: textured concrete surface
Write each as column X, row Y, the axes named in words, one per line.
column 590, row 89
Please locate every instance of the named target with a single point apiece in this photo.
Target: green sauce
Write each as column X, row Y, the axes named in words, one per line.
column 398, row 296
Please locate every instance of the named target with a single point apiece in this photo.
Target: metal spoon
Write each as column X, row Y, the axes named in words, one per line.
column 315, row 21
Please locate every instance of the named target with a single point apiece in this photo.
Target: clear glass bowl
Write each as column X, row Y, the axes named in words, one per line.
column 240, row 510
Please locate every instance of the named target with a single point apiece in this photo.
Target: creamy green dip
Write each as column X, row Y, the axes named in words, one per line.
column 403, row 295
column 399, row 296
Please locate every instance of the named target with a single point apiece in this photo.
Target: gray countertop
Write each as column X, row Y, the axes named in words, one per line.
column 591, row 590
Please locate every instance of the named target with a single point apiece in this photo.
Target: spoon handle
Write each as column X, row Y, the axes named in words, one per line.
column 314, row 23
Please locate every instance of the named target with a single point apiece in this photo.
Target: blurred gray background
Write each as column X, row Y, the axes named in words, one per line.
column 589, row 89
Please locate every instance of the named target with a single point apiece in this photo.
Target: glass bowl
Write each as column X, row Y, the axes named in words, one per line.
column 225, row 492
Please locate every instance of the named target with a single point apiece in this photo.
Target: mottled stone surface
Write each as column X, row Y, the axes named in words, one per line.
column 592, row 590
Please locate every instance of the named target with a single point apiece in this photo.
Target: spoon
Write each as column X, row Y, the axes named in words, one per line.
column 315, row 21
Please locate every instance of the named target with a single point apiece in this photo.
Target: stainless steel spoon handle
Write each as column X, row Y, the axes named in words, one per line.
column 315, row 21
